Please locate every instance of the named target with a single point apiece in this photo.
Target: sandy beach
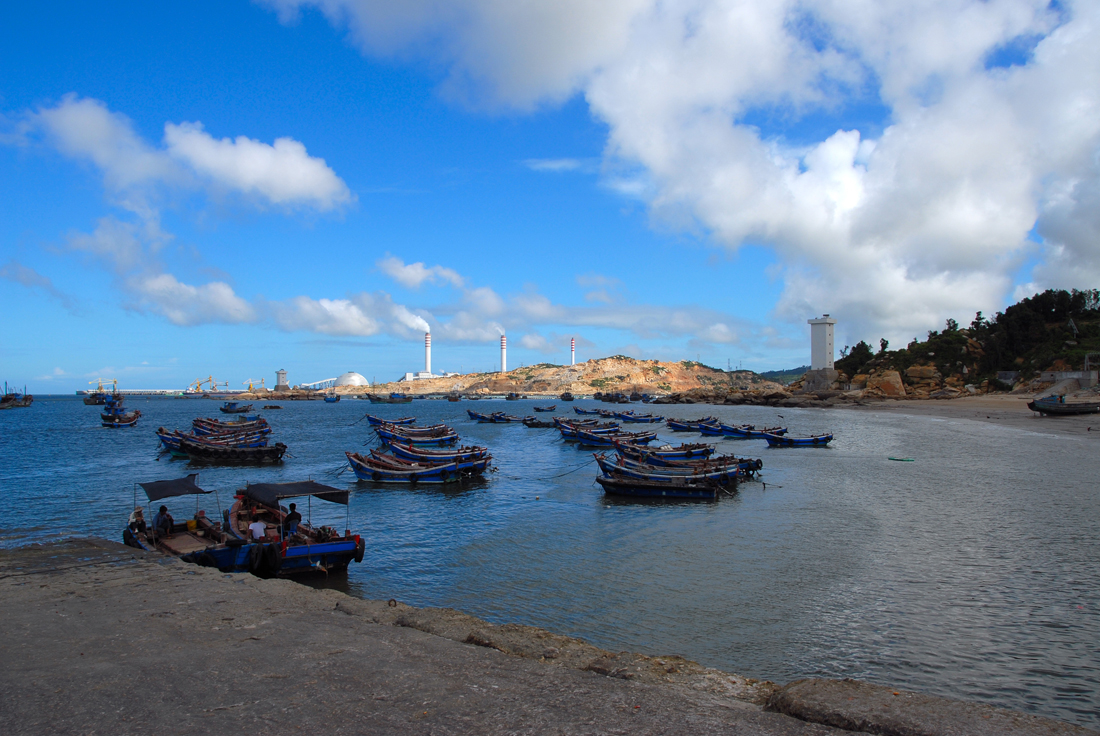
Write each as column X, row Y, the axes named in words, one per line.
column 1004, row 409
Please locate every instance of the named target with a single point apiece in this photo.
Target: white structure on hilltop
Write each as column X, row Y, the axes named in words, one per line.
column 572, row 351
column 428, row 353
column 821, row 343
column 503, row 354
column 351, row 378
column 280, row 381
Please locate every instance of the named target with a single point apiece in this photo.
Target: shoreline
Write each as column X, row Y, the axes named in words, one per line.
column 105, row 638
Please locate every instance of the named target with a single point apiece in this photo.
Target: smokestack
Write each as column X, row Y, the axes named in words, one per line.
column 572, row 351
column 503, row 354
column 428, row 352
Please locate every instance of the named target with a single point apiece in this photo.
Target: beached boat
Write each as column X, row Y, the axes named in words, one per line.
column 633, row 488
column 381, row 468
column 552, row 407
column 233, row 407
column 225, row 544
column 817, row 440
column 1056, row 406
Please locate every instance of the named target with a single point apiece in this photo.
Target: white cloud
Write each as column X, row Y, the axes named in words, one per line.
column 282, row 173
column 187, row 305
column 556, row 165
column 16, row 272
column 414, row 275
column 923, row 215
column 57, row 373
column 135, row 171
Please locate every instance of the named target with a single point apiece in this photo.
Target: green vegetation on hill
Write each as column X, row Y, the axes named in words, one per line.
column 1034, row 335
column 785, row 376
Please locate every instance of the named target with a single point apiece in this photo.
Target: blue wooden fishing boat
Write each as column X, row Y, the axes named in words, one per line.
column 380, row 468
column 412, row 452
column 693, row 451
column 206, row 426
column 634, row 488
column 629, row 416
column 621, row 467
column 649, row 457
column 579, row 410
column 226, row 545
column 817, row 440
column 209, row 452
column 441, row 440
column 393, row 398
column 379, row 421
column 114, row 416
column 749, row 431
column 711, row 430
column 552, row 407
column 569, row 429
column 332, row 398
column 233, row 407
column 689, row 425
column 592, row 439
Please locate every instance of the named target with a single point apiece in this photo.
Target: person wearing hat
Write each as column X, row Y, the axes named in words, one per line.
column 137, row 521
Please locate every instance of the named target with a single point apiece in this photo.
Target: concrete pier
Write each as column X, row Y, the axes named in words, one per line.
column 101, row 638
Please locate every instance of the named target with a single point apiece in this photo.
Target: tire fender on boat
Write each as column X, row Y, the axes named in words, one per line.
column 255, row 557
column 376, row 476
column 360, row 548
column 759, row 463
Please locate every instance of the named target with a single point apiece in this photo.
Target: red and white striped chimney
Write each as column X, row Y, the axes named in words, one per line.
column 428, row 352
column 503, row 354
column 572, row 351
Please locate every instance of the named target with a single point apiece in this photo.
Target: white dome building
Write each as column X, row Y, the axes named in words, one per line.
column 351, row 378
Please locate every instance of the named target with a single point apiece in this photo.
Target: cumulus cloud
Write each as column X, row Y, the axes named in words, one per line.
column 414, row 275
column 988, row 130
column 135, row 170
column 282, row 173
column 186, row 305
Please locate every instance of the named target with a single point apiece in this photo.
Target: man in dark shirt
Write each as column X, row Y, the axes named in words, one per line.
column 163, row 521
column 293, row 519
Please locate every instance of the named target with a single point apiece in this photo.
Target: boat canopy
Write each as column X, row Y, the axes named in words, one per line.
column 158, row 489
column 269, row 493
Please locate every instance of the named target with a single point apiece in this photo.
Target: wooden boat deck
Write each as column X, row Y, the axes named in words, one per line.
column 181, row 543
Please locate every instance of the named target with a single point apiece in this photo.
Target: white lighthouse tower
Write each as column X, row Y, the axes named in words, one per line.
column 821, row 343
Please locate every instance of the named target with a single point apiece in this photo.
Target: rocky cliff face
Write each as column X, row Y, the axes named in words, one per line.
column 609, row 375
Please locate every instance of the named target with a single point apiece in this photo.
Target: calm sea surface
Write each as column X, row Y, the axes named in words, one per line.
column 971, row 572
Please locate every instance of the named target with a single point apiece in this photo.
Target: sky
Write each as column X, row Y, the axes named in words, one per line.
column 230, row 188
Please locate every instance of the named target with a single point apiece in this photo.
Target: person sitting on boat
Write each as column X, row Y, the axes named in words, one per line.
column 292, row 520
column 137, row 521
column 257, row 529
column 163, row 522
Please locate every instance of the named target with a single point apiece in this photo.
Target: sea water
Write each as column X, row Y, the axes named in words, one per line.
column 971, row 572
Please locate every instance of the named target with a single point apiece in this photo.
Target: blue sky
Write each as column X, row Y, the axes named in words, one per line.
column 233, row 188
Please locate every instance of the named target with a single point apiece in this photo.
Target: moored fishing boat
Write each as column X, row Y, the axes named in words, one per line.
column 381, row 468
column 114, row 416
column 629, row 416
column 199, row 451
column 817, row 440
column 686, row 451
column 534, row 423
column 749, row 431
column 566, row 396
column 412, row 452
column 634, row 488
column 552, row 407
column 626, row 468
column 592, row 439
column 233, row 407
column 203, row 426
column 393, row 398
column 379, row 421
column 710, row 430
column 689, row 425
column 579, row 410
column 429, row 440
